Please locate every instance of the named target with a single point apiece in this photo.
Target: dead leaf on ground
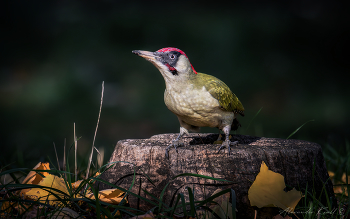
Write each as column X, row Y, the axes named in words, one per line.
column 34, row 177
column 44, row 195
column 340, row 186
column 268, row 191
column 76, row 184
column 331, row 174
column 113, row 196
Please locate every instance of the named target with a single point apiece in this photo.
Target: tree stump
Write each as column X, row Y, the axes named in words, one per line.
column 294, row 159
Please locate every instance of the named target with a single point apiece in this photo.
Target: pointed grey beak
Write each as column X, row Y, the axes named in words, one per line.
column 145, row 54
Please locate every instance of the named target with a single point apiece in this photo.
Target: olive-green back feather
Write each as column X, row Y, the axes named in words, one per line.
column 220, row 91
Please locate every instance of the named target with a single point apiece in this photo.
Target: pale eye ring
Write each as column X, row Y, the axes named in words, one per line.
column 172, row 56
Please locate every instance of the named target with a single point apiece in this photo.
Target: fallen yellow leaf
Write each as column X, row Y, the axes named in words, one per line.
column 97, row 174
column 331, row 174
column 113, row 196
column 268, row 191
column 34, row 177
column 76, row 184
column 342, row 188
column 343, row 178
column 44, row 195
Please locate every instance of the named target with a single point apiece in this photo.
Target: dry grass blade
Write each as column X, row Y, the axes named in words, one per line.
column 64, row 159
column 93, row 142
column 100, row 158
column 75, row 155
column 58, row 163
column 97, row 150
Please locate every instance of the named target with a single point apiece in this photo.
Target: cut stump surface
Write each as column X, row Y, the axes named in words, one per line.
column 294, row 159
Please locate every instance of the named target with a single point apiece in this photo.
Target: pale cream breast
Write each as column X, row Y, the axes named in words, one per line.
column 195, row 106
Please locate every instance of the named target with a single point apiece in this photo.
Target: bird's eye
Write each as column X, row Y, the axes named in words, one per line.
column 172, row 56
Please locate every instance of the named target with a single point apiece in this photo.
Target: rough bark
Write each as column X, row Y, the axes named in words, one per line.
column 294, row 159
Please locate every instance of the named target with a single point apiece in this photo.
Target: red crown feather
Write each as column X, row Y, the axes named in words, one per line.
column 169, row 49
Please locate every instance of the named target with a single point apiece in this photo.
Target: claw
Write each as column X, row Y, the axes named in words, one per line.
column 175, row 143
column 228, row 143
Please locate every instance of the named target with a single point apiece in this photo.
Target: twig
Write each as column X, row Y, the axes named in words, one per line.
column 93, row 142
column 58, row 163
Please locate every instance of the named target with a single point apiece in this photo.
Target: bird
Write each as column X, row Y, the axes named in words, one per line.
column 197, row 99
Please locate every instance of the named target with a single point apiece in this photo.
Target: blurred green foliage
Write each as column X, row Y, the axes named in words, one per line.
column 289, row 58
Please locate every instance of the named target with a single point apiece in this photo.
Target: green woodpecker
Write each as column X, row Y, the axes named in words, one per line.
column 197, row 99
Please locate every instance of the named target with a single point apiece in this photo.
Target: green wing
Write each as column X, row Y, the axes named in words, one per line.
column 220, row 91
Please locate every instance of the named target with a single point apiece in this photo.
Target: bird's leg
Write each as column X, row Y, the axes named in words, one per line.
column 176, row 142
column 227, row 141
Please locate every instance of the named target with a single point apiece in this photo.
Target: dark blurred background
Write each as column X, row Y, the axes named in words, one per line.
column 290, row 59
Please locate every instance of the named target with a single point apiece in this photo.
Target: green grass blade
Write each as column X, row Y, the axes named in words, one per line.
column 14, row 170
column 97, row 200
column 147, row 177
column 191, row 197
column 161, row 197
column 299, row 128
column 306, row 192
column 183, row 203
column 310, row 213
column 233, row 202
column 325, row 191
column 201, row 176
column 176, row 203
column 348, row 187
column 211, row 198
column 333, row 151
column 152, row 196
column 51, row 163
column 186, row 174
column 132, row 185
column 253, row 119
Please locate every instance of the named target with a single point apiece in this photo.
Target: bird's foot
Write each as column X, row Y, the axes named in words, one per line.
column 227, row 143
column 175, row 144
